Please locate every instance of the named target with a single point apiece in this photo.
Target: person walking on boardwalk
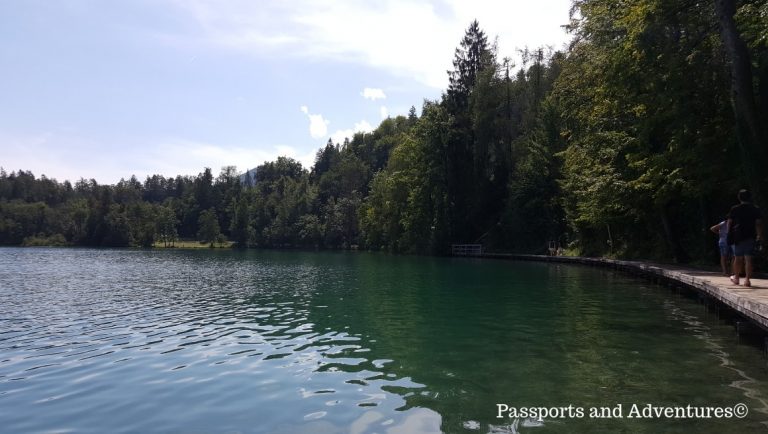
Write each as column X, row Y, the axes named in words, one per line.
column 721, row 229
column 744, row 228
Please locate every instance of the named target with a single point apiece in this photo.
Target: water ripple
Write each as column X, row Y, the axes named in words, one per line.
column 162, row 341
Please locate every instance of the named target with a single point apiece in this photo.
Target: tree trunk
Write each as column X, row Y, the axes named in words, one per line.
column 679, row 255
column 748, row 128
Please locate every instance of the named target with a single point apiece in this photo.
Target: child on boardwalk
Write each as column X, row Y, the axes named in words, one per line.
column 721, row 229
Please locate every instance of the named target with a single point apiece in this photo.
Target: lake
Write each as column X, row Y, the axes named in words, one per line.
column 198, row 341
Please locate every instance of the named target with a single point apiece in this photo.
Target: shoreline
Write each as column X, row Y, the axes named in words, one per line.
column 749, row 302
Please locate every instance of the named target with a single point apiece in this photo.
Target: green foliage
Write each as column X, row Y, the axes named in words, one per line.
column 407, row 208
column 55, row 240
column 471, row 58
column 626, row 145
column 643, row 96
column 166, row 226
column 209, row 231
column 240, row 227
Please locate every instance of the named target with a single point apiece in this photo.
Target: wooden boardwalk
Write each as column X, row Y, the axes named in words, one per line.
column 752, row 302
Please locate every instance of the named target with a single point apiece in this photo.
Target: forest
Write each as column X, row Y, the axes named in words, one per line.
column 630, row 143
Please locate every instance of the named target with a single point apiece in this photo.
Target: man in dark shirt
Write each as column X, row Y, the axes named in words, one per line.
column 744, row 227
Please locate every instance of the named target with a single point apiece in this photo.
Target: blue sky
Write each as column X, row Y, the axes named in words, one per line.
column 109, row 89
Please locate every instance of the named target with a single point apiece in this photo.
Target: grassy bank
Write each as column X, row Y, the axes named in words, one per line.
column 186, row 244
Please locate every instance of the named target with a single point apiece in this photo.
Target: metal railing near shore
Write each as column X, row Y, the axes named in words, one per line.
column 466, row 249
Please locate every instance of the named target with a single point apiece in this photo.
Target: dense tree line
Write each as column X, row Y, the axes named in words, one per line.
column 647, row 100
column 631, row 142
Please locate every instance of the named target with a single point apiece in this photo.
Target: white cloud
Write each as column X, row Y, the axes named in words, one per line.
column 71, row 157
column 307, row 159
column 318, row 126
column 182, row 156
column 339, row 136
column 421, row 35
column 363, row 127
column 373, row 94
column 360, row 127
column 384, row 112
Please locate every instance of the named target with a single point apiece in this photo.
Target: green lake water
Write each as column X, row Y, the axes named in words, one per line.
column 109, row 341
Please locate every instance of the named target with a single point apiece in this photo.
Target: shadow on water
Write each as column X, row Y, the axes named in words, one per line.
column 214, row 341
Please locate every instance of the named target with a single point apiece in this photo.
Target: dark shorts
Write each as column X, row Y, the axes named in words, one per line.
column 744, row 248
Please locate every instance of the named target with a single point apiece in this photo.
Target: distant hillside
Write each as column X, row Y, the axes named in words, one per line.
column 248, row 178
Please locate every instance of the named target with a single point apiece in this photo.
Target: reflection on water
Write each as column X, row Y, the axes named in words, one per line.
column 211, row 341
